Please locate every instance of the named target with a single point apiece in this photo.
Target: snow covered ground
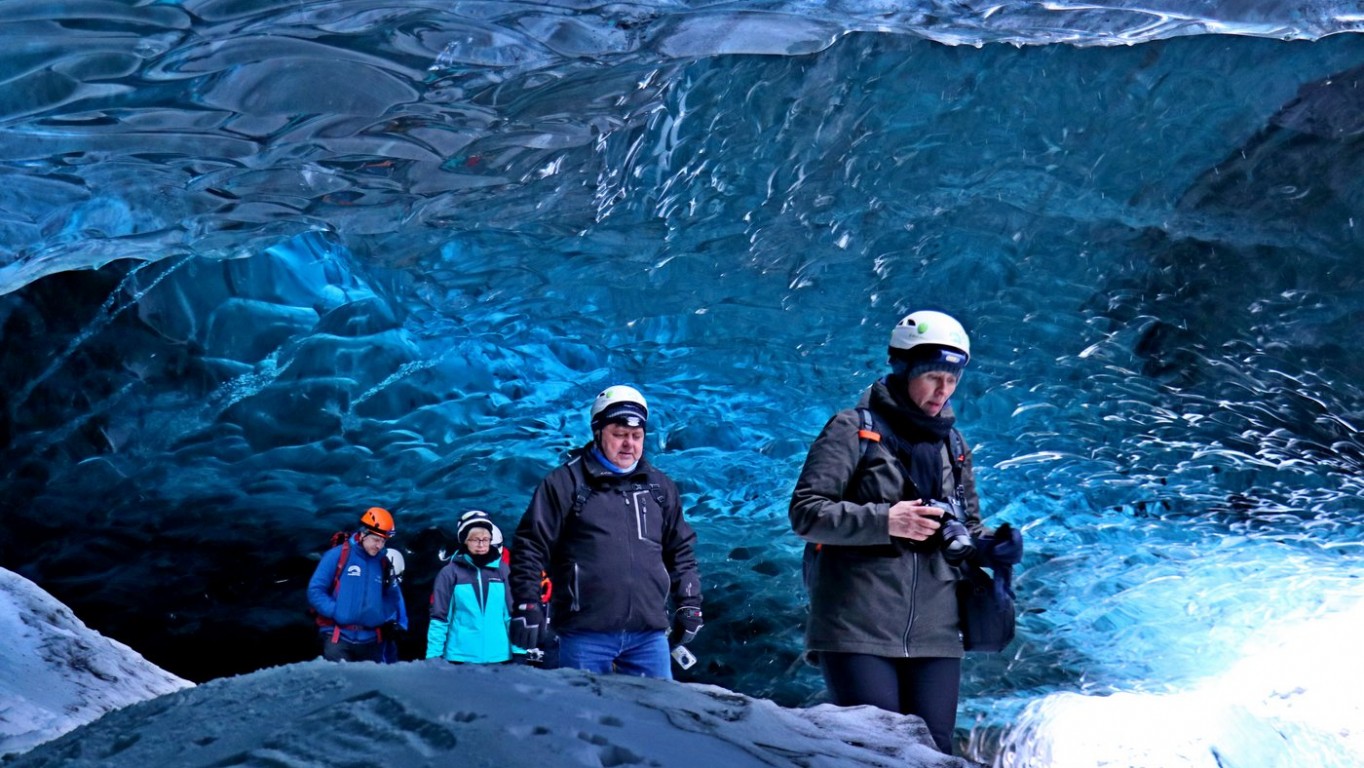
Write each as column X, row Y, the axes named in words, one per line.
column 57, row 674
column 1280, row 707
column 411, row 714
column 433, row 713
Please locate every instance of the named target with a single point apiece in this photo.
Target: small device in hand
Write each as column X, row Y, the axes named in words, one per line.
column 684, row 658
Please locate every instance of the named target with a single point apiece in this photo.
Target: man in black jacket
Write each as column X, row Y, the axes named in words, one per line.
column 607, row 529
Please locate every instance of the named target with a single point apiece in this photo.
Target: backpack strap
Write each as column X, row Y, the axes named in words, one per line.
column 582, row 490
column 323, row 621
column 953, row 449
column 340, row 564
column 867, row 434
column 954, row 452
column 654, row 490
column 956, row 445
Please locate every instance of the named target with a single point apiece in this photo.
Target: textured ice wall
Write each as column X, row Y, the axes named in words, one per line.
column 335, row 276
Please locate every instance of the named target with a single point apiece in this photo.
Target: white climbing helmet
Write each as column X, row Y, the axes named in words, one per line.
column 929, row 327
column 620, row 404
column 399, row 563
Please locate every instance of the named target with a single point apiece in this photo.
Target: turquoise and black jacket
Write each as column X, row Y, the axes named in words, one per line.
column 470, row 612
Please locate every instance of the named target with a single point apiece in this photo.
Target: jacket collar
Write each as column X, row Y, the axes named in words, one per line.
column 596, row 473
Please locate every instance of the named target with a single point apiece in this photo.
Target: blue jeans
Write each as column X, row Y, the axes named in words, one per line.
column 643, row 654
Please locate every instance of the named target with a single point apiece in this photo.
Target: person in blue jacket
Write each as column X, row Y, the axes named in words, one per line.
column 354, row 593
column 470, row 604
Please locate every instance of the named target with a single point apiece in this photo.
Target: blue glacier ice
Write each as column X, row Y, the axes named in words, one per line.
column 265, row 264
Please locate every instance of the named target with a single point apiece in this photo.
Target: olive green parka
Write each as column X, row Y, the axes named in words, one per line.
column 870, row 593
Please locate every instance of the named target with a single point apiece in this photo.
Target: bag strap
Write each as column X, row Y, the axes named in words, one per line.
column 582, row 490
column 954, row 453
column 867, row 436
column 868, row 433
column 340, row 564
column 323, row 621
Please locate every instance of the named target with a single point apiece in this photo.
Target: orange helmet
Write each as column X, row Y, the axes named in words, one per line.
column 378, row 520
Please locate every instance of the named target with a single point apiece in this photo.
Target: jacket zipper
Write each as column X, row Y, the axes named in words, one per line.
column 575, row 607
column 632, row 505
column 482, row 591
column 913, row 594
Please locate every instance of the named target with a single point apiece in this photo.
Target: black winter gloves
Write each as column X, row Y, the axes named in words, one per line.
column 686, row 623
column 527, row 623
column 1003, row 548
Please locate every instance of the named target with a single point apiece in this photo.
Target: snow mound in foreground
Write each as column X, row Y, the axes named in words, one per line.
column 434, row 713
column 57, row 674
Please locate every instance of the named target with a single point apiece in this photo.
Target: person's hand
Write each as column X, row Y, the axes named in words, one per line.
column 686, row 623
column 526, row 623
column 914, row 521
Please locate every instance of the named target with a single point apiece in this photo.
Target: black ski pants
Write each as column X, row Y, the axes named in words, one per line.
column 926, row 687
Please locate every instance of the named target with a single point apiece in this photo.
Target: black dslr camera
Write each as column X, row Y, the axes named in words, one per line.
column 956, row 539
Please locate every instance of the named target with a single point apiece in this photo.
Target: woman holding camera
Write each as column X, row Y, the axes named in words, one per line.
column 881, row 503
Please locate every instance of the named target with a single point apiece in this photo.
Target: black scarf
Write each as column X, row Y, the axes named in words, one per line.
column 916, row 438
column 487, row 557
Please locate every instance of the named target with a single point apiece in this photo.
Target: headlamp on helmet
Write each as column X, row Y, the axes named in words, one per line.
column 927, row 341
column 929, row 328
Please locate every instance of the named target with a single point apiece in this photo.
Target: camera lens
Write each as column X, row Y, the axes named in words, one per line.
column 957, row 543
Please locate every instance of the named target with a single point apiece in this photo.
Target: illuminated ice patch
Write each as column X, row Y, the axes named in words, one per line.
column 1289, row 697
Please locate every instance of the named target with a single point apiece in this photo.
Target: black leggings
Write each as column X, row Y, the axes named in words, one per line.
column 925, row 687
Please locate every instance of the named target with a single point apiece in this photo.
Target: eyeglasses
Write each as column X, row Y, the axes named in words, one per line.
column 472, row 540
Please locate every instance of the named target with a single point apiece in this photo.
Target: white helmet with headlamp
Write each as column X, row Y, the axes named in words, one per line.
column 619, row 404
column 927, row 340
